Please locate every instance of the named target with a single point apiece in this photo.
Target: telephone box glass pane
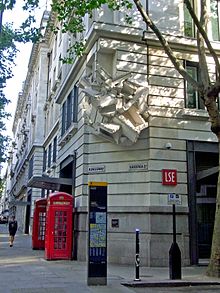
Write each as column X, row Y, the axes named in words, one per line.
column 60, row 230
column 41, row 225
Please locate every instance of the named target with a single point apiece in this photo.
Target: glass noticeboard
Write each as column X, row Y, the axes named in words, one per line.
column 97, row 253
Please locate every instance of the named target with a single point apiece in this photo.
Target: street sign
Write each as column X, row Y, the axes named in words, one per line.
column 96, row 169
column 19, row 203
column 174, row 198
column 169, row 177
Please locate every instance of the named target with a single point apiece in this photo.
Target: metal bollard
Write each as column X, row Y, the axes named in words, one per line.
column 137, row 257
column 175, row 254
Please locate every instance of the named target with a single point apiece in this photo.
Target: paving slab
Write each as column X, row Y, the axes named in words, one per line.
column 25, row 270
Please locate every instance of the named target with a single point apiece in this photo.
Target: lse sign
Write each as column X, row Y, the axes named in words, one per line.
column 169, row 177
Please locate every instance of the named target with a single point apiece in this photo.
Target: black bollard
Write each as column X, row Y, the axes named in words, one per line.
column 137, row 257
column 175, row 262
column 174, row 253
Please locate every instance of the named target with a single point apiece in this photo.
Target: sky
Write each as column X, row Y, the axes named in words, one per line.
column 14, row 85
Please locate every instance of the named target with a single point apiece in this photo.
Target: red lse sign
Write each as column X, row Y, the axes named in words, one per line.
column 169, row 177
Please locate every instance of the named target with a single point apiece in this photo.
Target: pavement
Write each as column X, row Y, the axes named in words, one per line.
column 23, row 270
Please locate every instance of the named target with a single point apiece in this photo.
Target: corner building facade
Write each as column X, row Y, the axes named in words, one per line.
column 122, row 114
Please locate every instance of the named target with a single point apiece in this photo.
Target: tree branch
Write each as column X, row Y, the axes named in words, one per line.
column 204, row 35
column 204, row 73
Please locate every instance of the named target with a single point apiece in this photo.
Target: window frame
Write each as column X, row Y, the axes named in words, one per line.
column 49, row 155
column 44, row 160
column 69, row 110
column 31, row 167
column 63, row 124
column 199, row 104
column 75, row 104
column 218, row 23
column 54, row 149
column 193, row 35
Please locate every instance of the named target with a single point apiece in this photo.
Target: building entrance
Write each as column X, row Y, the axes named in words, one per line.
column 205, row 219
column 67, row 170
column 202, row 186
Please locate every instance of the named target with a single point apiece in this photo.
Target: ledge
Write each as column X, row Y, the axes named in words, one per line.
column 195, row 114
column 68, row 134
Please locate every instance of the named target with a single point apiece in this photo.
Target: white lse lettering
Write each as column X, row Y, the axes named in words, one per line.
column 170, row 177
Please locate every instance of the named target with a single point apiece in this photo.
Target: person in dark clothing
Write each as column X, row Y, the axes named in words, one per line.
column 12, row 228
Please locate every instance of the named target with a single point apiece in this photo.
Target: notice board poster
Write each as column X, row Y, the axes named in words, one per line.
column 97, row 240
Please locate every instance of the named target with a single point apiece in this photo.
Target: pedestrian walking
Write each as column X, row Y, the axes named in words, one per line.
column 12, row 228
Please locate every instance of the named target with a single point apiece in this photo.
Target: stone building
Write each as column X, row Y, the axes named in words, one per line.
column 121, row 114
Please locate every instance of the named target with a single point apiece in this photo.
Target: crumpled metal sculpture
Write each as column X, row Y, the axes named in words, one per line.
column 115, row 108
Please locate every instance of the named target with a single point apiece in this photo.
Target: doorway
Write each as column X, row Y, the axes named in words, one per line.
column 67, row 170
column 202, row 187
column 205, row 219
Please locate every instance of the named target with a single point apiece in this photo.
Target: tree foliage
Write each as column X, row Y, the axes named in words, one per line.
column 71, row 13
column 9, row 37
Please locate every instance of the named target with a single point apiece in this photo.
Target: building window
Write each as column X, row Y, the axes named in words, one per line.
column 49, row 87
column 60, row 35
column 70, row 110
column 214, row 9
column 44, row 160
column 189, row 28
column 49, row 55
column 193, row 99
column 31, row 166
column 54, row 76
column 49, row 155
column 55, row 149
column 75, row 103
column 55, row 47
column 64, row 118
column 59, row 68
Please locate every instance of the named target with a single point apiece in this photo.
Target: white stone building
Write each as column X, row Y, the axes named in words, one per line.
column 121, row 114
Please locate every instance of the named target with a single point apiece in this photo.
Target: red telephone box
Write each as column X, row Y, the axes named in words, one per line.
column 39, row 224
column 59, row 223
